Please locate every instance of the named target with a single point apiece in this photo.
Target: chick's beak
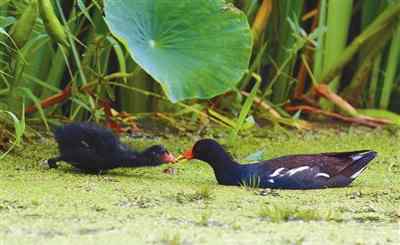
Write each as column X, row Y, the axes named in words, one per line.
column 168, row 158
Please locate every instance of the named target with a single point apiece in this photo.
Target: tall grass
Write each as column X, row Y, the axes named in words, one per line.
column 391, row 67
column 338, row 23
column 66, row 54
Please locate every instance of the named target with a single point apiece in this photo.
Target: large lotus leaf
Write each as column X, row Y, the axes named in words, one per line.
column 194, row 48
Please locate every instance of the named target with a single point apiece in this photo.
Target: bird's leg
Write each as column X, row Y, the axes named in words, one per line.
column 52, row 162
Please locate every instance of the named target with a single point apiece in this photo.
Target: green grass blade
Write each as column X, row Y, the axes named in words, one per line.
column 393, row 61
column 244, row 112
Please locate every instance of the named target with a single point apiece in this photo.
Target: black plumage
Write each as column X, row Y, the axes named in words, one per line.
column 92, row 148
column 308, row 171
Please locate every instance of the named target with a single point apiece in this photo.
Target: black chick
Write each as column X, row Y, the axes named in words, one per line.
column 91, row 148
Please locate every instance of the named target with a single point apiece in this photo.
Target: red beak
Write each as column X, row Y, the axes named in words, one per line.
column 188, row 154
column 168, row 158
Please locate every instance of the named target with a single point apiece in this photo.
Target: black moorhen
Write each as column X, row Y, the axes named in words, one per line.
column 91, row 148
column 311, row 171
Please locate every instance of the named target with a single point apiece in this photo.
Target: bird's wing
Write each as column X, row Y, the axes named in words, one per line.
column 86, row 135
column 103, row 140
column 330, row 163
column 316, row 171
column 303, row 177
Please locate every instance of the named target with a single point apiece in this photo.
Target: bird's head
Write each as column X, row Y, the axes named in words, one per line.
column 207, row 150
column 158, row 154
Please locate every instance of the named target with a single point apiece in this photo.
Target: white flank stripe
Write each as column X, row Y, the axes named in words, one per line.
column 271, row 181
column 356, row 157
column 322, row 175
column 276, row 172
column 356, row 174
column 296, row 170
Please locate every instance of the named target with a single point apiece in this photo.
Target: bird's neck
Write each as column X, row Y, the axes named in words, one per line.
column 131, row 158
column 226, row 170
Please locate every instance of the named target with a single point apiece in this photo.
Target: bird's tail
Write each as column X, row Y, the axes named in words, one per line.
column 359, row 164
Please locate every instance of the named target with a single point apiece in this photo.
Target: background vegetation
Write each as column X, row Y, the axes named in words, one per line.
column 59, row 60
column 306, row 61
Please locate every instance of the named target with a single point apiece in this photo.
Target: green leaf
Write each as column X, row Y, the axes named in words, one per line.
column 6, row 21
column 395, row 118
column 194, row 49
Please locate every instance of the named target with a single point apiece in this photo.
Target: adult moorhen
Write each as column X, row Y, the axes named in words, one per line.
column 311, row 171
column 91, row 148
